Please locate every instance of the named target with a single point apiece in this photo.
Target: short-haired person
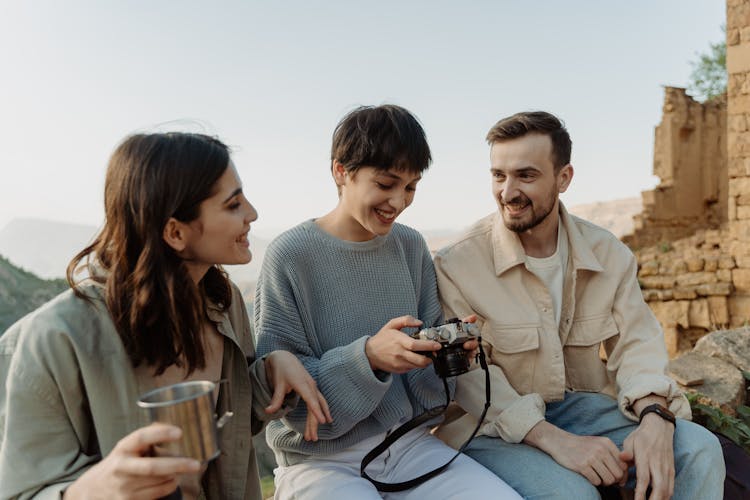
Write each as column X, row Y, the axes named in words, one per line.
column 549, row 290
column 155, row 309
column 337, row 291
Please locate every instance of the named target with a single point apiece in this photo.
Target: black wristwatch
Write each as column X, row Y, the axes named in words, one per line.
column 659, row 410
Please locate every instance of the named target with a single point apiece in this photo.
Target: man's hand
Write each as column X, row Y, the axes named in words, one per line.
column 650, row 449
column 595, row 458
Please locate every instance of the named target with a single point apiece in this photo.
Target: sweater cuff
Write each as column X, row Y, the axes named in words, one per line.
column 263, row 392
column 640, row 386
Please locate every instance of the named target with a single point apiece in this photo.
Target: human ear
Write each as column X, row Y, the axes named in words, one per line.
column 174, row 235
column 339, row 173
column 564, row 177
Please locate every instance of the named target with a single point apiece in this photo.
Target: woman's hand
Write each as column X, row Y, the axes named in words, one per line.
column 285, row 374
column 127, row 473
column 390, row 350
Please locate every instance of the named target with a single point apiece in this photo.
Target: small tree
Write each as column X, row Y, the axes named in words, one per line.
column 709, row 76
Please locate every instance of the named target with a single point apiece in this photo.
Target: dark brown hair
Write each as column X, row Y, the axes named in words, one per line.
column 156, row 307
column 383, row 137
column 539, row 122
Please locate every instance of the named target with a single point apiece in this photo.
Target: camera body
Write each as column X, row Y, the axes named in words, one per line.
column 452, row 359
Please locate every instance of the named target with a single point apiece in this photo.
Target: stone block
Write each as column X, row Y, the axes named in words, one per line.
column 692, row 279
column 665, row 294
column 649, row 268
column 739, row 229
column 739, row 310
column 684, row 293
column 743, row 212
column 698, row 315
column 742, row 261
column 711, row 264
column 724, row 275
column 671, row 313
column 726, row 262
column 710, row 289
column 738, row 56
column 678, row 266
column 694, row 264
column 733, row 36
column 718, row 310
column 650, row 294
column 738, row 123
column 670, row 340
column 722, row 383
column 741, row 279
column 731, row 346
column 659, row 282
column 739, row 185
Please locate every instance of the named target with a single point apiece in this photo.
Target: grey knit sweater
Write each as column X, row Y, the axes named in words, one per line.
column 321, row 298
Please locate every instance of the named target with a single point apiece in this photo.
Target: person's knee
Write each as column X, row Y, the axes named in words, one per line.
column 698, row 448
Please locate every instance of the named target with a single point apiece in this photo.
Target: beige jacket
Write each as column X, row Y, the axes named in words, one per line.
column 534, row 360
column 69, row 395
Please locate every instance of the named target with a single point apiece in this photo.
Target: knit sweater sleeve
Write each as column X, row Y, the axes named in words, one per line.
column 425, row 384
column 283, row 320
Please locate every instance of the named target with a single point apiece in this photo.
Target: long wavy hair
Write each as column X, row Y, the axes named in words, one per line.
column 156, row 307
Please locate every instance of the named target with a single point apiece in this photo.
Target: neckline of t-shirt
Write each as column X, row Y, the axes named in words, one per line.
column 376, row 242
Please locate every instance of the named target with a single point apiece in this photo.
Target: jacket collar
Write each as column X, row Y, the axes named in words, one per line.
column 508, row 251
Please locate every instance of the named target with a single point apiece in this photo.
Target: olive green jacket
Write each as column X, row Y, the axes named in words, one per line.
column 70, row 395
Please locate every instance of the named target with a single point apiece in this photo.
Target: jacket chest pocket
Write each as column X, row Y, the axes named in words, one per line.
column 585, row 370
column 514, row 349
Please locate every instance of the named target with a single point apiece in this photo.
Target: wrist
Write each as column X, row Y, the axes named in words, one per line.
column 654, row 411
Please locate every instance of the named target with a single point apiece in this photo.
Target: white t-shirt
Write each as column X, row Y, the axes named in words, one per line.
column 551, row 270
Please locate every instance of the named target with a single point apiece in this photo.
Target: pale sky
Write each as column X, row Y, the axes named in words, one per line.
column 272, row 79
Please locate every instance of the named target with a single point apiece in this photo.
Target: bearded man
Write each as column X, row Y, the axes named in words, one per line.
column 579, row 394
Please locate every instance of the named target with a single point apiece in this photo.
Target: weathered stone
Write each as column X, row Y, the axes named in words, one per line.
column 718, row 311
column 743, row 212
column 660, row 282
column 694, row 264
column 733, row 36
column 666, row 294
column 724, row 275
column 679, row 266
column 732, row 346
column 723, row 384
column 711, row 264
column 726, row 262
column 698, row 315
column 739, row 310
column 650, row 294
column 722, row 288
column 650, row 268
column 692, row 279
column 741, row 279
column 742, row 261
column 672, row 312
column 684, row 293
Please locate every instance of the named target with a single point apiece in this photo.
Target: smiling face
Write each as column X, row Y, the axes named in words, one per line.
column 219, row 234
column 524, row 182
column 371, row 200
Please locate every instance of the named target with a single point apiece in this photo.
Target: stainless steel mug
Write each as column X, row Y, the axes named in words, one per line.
column 189, row 406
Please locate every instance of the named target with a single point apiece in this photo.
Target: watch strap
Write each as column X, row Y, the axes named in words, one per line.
column 659, row 410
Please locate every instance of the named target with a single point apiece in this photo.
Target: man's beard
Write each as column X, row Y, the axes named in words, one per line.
column 536, row 218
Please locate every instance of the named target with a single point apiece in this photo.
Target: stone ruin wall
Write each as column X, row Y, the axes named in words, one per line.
column 692, row 240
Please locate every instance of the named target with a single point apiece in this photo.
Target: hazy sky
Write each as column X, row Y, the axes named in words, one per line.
column 272, row 79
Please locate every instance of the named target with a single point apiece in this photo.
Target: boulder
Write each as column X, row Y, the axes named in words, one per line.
column 732, row 346
column 722, row 383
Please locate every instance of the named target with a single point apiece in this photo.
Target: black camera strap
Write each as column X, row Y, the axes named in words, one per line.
column 416, row 422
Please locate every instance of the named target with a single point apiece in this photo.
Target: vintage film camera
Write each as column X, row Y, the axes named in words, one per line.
column 452, row 359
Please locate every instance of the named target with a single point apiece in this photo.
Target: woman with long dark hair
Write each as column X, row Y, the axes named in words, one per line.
column 153, row 308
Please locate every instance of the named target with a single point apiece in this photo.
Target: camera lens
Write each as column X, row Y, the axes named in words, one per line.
column 452, row 360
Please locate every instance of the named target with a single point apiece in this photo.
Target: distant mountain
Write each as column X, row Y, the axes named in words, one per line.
column 21, row 292
column 615, row 215
column 43, row 247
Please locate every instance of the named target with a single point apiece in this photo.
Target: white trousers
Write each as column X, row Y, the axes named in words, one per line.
column 337, row 476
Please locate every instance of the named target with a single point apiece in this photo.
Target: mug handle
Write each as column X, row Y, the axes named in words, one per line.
column 227, row 416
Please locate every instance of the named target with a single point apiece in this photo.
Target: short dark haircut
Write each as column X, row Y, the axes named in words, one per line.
column 539, row 122
column 383, row 137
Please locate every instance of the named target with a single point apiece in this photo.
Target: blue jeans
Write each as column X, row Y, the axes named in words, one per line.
column 699, row 463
